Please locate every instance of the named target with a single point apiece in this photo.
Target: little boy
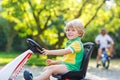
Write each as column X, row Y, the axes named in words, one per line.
column 73, row 53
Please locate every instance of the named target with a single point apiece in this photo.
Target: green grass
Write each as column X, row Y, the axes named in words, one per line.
column 41, row 61
column 5, row 58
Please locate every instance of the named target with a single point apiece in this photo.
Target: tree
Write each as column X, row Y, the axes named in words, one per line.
column 8, row 29
column 44, row 20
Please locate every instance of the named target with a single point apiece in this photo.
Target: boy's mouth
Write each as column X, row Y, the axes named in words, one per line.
column 70, row 35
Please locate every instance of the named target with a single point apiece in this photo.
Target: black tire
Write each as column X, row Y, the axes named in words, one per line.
column 106, row 64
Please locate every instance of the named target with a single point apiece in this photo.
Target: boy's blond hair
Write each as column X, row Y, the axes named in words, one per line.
column 77, row 24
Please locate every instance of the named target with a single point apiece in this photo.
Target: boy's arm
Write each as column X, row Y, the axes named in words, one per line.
column 53, row 62
column 56, row 52
column 110, row 39
column 97, row 40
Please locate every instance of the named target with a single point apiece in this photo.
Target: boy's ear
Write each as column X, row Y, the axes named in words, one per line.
column 80, row 35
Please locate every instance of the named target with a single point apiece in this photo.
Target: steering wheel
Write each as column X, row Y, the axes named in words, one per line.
column 34, row 46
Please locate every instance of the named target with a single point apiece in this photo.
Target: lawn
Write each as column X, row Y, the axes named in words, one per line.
column 5, row 58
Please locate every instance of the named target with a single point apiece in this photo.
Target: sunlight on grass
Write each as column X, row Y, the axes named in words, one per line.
column 5, row 60
column 41, row 61
column 7, row 57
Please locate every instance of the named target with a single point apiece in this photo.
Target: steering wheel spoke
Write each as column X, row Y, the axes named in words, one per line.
column 34, row 46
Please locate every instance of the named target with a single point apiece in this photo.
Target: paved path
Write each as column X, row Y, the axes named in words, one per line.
column 113, row 73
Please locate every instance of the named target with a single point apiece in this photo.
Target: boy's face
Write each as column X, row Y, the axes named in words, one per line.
column 71, row 33
column 103, row 32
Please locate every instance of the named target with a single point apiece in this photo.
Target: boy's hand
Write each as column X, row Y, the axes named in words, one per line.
column 50, row 62
column 45, row 51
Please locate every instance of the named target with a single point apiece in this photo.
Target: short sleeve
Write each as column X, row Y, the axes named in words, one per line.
column 97, row 38
column 75, row 47
column 110, row 39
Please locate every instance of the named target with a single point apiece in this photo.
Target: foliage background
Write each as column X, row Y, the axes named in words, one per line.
column 44, row 21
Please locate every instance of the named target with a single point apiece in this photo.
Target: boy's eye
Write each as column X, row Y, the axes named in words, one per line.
column 73, row 30
column 67, row 30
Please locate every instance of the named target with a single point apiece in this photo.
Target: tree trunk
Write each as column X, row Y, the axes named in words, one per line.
column 10, row 41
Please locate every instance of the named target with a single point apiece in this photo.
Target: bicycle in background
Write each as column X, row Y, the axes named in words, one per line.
column 105, row 58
